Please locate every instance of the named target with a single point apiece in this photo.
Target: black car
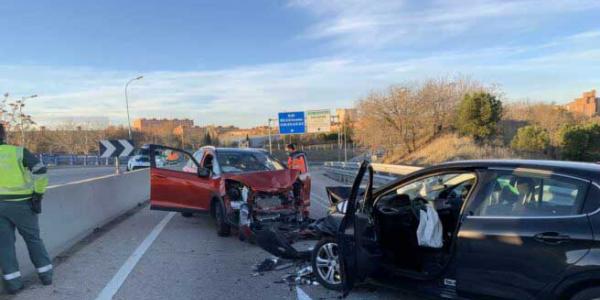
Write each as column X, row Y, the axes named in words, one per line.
column 513, row 229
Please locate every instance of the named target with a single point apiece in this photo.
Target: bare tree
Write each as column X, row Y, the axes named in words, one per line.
column 411, row 114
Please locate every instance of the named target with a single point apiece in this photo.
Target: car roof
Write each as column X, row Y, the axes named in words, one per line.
column 232, row 149
column 581, row 169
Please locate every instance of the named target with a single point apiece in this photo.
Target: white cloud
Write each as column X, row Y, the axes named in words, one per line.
column 556, row 69
column 242, row 96
column 364, row 23
column 247, row 96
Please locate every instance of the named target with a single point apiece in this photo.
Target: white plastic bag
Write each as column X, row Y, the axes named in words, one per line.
column 429, row 232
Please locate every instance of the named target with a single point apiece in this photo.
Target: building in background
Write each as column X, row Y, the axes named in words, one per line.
column 343, row 115
column 155, row 125
column 588, row 104
column 346, row 114
column 86, row 122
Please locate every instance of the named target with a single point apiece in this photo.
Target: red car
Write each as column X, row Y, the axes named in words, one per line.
column 238, row 187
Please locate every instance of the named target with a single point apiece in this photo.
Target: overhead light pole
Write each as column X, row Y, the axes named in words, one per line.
column 127, row 104
column 270, row 138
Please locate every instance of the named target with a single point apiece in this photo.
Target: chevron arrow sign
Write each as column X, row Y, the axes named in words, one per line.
column 116, row 148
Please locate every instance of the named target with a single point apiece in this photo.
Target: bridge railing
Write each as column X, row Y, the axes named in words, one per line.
column 384, row 173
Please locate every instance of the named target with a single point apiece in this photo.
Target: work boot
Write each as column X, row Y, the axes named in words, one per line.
column 13, row 288
column 46, row 277
column 46, row 280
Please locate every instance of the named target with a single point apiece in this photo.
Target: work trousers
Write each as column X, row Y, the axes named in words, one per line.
column 18, row 215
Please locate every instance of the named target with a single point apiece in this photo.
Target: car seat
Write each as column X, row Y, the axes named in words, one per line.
column 506, row 202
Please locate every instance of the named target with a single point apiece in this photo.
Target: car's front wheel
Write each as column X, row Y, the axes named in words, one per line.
column 587, row 294
column 326, row 263
column 223, row 229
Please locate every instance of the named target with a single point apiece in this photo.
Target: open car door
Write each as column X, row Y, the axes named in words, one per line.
column 357, row 238
column 177, row 182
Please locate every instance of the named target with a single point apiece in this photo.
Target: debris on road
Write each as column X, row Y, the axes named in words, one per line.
column 301, row 275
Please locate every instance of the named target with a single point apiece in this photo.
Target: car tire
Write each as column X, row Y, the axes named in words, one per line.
column 325, row 259
column 223, row 229
column 587, row 294
column 187, row 214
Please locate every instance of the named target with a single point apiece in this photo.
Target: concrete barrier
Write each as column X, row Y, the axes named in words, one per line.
column 72, row 211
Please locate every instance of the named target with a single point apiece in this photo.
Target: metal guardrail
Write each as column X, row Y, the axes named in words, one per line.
column 78, row 160
column 384, row 173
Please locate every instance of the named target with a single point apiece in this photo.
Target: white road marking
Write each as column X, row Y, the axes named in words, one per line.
column 115, row 283
column 301, row 294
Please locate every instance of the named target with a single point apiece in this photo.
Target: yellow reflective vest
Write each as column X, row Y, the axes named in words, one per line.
column 17, row 183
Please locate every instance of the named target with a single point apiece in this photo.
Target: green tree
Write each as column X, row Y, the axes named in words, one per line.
column 531, row 138
column 580, row 142
column 478, row 115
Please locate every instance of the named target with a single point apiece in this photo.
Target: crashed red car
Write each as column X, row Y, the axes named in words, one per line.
column 238, row 187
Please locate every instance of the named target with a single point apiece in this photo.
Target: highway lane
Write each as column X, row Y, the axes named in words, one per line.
column 186, row 260
column 59, row 176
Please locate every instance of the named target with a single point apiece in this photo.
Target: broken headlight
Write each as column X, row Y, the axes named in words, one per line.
column 237, row 193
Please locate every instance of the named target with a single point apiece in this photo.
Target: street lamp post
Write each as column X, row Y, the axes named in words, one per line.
column 127, row 104
column 270, row 139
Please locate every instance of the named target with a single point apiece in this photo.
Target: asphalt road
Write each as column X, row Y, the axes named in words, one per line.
column 160, row 255
column 65, row 175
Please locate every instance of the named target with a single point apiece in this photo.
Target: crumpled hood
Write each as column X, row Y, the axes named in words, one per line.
column 267, row 181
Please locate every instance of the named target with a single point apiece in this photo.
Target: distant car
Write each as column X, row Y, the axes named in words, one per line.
column 513, row 229
column 238, row 187
column 138, row 161
column 141, row 159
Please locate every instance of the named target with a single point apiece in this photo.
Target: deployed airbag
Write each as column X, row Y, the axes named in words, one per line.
column 429, row 232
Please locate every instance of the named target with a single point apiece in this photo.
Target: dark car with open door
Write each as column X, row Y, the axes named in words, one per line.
column 511, row 229
column 507, row 229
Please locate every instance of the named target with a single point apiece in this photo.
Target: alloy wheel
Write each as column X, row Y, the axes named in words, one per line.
column 328, row 263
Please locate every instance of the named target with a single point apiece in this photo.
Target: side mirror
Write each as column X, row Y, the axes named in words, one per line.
column 203, row 172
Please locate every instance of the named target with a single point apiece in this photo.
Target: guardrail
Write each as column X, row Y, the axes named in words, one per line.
column 54, row 160
column 72, row 211
column 384, row 173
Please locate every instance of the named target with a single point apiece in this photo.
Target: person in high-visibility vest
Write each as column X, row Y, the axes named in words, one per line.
column 23, row 182
column 296, row 159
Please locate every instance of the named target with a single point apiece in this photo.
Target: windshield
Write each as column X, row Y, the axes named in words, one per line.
column 232, row 161
column 430, row 187
column 142, row 151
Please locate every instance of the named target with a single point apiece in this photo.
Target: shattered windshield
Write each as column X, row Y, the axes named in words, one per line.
column 232, row 161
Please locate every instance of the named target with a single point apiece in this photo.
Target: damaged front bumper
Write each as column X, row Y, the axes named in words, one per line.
column 278, row 240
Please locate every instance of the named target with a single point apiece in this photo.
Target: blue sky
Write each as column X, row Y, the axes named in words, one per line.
column 240, row 62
